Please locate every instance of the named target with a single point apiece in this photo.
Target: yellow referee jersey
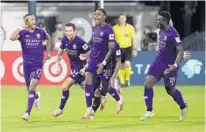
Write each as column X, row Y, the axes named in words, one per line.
column 124, row 34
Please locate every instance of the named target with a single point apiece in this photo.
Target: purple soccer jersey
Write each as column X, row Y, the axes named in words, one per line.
column 116, row 54
column 74, row 48
column 101, row 38
column 167, row 55
column 32, row 52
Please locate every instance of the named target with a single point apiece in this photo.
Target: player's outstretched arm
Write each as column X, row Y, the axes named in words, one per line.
column 117, row 67
column 59, row 55
column 48, row 45
column 106, row 59
column 15, row 35
column 180, row 53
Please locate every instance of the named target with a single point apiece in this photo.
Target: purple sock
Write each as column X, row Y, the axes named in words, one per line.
column 89, row 94
column 96, row 103
column 65, row 96
column 179, row 99
column 114, row 93
column 148, row 97
column 31, row 99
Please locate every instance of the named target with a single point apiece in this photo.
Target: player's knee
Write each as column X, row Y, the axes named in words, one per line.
column 127, row 64
column 170, row 90
column 88, row 78
column 97, row 93
column 33, row 84
column 122, row 66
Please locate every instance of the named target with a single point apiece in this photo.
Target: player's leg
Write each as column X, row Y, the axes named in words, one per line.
column 128, row 58
column 27, row 73
column 122, row 68
column 170, row 83
column 35, row 76
column 65, row 95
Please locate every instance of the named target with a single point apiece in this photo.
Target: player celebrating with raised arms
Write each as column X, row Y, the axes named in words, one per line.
column 31, row 39
column 99, row 64
column 75, row 46
column 165, row 66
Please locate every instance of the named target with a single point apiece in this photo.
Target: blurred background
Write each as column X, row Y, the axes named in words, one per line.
column 188, row 18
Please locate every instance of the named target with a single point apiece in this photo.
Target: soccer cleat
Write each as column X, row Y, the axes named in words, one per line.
column 119, row 106
column 183, row 113
column 57, row 112
column 147, row 114
column 37, row 102
column 103, row 101
column 26, row 116
column 88, row 114
column 127, row 84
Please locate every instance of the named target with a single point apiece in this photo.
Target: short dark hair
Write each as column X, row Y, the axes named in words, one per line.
column 59, row 22
column 27, row 15
column 102, row 10
column 71, row 25
column 122, row 14
column 166, row 15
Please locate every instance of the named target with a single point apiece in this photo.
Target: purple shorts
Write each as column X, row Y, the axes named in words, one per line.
column 157, row 70
column 76, row 76
column 32, row 72
column 106, row 73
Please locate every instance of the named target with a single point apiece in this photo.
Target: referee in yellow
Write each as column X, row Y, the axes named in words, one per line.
column 125, row 36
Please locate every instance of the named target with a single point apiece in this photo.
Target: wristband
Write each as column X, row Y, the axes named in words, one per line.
column 104, row 62
column 175, row 65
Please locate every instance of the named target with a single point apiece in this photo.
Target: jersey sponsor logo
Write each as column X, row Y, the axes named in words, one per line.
column 101, row 33
column 38, row 35
column 85, row 46
column 74, row 46
column 177, row 39
column 192, row 67
column 111, row 36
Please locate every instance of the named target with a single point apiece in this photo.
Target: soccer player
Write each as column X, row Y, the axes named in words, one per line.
column 125, row 36
column 99, row 63
column 165, row 66
column 113, row 90
column 31, row 39
column 75, row 46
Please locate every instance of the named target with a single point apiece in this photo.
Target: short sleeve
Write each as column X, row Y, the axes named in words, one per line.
column 20, row 35
column 175, row 38
column 110, row 34
column 84, row 47
column 132, row 31
column 117, row 51
column 63, row 43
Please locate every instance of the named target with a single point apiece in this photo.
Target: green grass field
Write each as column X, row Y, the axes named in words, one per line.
column 14, row 101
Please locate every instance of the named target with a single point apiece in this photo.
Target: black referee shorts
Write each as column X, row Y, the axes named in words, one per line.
column 126, row 54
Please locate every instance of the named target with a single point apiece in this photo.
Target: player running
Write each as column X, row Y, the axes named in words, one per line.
column 99, row 64
column 165, row 66
column 98, row 98
column 75, row 46
column 31, row 39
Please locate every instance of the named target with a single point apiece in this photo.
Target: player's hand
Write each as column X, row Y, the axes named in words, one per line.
column 100, row 68
column 82, row 71
column 171, row 68
column 112, row 82
column 186, row 55
column 57, row 68
column 48, row 56
column 134, row 52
